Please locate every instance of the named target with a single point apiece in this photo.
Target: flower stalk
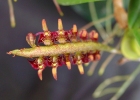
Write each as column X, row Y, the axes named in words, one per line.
column 61, row 47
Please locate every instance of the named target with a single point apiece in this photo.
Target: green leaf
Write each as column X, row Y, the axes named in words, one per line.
column 74, row 2
column 134, row 14
column 136, row 33
column 126, row 46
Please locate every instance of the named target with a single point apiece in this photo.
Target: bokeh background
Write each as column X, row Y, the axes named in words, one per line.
column 19, row 81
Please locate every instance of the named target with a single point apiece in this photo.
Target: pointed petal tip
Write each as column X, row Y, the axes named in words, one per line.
column 44, row 25
column 54, row 72
column 40, row 78
column 84, row 33
column 43, row 20
column 40, row 74
column 81, row 69
column 96, row 35
column 60, row 25
column 68, row 65
column 9, row 53
column 55, row 78
column 74, row 29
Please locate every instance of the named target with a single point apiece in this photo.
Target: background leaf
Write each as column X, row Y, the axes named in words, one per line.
column 134, row 14
column 136, row 33
column 126, row 46
column 74, row 2
column 134, row 18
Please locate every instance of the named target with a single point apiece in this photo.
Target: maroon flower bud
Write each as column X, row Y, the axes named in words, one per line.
column 97, row 55
column 83, row 35
column 30, row 38
column 93, row 35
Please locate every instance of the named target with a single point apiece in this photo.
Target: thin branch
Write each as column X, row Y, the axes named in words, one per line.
column 58, row 8
column 94, row 17
column 108, row 12
column 92, row 68
column 126, row 84
column 11, row 12
column 109, row 91
column 108, row 82
column 90, row 24
column 107, row 61
column 116, row 30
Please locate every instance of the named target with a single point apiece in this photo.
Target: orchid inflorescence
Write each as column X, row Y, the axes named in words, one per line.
column 60, row 48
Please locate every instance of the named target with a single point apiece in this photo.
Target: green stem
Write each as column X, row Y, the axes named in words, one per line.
column 108, row 12
column 94, row 17
column 12, row 16
column 67, row 48
column 109, row 91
